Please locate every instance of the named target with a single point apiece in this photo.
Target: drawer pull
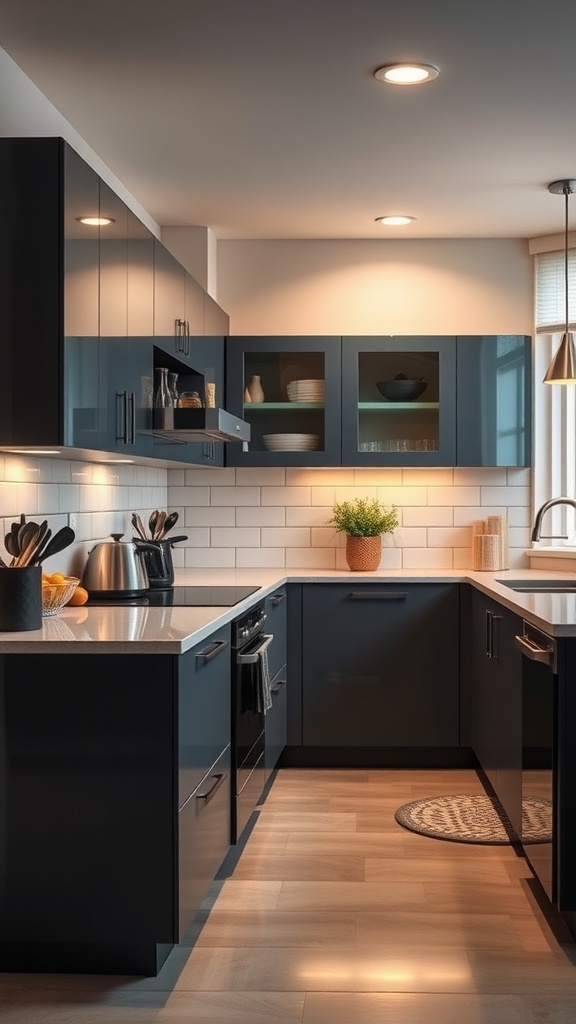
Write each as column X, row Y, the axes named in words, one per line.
column 252, row 658
column 218, row 780
column 379, row 595
column 216, row 648
column 276, row 687
column 277, row 599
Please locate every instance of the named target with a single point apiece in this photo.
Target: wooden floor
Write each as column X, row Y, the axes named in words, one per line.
column 334, row 914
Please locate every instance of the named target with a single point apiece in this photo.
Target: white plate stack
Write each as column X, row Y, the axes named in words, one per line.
column 290, row 442
column 305, row 391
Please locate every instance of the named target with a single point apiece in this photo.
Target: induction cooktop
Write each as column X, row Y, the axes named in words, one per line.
column 187, row 597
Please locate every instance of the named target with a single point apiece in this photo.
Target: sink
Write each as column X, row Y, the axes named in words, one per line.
column 564, row 586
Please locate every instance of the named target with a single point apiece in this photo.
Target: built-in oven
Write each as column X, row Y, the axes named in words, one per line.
column 250, row 684
column 539, row 746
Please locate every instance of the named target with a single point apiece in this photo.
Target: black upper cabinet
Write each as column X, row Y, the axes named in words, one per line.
column 468, row 403
column 296, row 421
column 413, row 429
column 493, row 395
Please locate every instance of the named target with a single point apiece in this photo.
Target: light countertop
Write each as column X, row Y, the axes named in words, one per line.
column 173, row 630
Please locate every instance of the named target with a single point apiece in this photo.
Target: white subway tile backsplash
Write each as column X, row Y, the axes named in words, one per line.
column 349, row 493
column 199, row 537
column 28, row 499
column 286, row 496
column 189, row 496
column 211, row 477
column 325, row 537
column 410, row 537
column 271, row 515
column 287, row 537
column 435, row 476
column 457, row 537
column 505, row 496
column 427, row 558
column 387, row 476
column 260, row 476
column 48, row 498
column 402, row 496
column 310, row 558
column 235, row 495
column 324, row 496
column 207, row 515
column 176, row 477
column 519, row 515
column 454, row 495
column 466, row 516
column 8, row 499
column 331, row 476
column 480, row 476
column 265, row 558
column 308, row 515
column 210, row 558
column 519, row 477
column 439, row 515
column 235, row 537
column 519, row 537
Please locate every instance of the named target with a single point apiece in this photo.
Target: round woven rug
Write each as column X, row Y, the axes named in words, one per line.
column 475, row 819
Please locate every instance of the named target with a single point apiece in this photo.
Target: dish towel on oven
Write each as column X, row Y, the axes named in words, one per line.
column 263, row 694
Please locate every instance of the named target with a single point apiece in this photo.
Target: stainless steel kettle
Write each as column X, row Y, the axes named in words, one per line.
column 115, row 569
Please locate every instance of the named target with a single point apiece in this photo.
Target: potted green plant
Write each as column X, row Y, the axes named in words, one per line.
column 363, row 520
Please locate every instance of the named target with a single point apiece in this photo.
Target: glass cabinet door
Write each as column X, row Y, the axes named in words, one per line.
column 398, row 401
column 288, row 389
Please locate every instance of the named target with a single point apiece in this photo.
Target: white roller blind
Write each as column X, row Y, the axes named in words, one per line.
column 550, row 294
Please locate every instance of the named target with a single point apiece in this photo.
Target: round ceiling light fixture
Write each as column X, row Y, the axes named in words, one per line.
column 407, row 74
column 395, row 220
column 96, row 222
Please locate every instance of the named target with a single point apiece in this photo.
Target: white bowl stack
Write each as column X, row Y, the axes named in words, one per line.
column 290, row 442
column 305, row 391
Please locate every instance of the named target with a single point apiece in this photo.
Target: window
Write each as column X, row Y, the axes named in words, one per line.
column 554, row 405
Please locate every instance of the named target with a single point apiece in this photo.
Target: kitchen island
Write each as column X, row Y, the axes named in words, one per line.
column 95, row 835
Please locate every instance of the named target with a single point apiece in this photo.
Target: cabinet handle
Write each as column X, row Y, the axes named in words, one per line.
column 186, row 337
column 252, row 658
column 378, row 595
column 532, row 651
column 214, row 649
column 132, row 405
column 121, row 435
column 488, row 633
column 276, row 687
column 495, row 648
column 277, row 599
column 206, row 797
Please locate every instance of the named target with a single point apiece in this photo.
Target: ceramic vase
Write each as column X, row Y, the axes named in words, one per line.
column 255, row 389
column 363, row 553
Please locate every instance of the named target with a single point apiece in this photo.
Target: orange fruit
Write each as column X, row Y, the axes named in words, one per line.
column 80, row 596
column 57, row 577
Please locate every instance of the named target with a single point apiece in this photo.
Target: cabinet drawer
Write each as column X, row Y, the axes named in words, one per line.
column 204, row 709
column 275, row 723
column 203, row 838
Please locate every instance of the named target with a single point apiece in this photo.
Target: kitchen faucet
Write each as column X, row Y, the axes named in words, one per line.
column 536, row 535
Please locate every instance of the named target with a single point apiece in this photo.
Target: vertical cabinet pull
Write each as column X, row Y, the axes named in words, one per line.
column 121, row 417
column 488, row 633
column 218, row 780
column 495, row 636
column 132, row 418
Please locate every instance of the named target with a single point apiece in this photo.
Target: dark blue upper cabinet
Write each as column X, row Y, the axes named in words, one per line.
column 410, row 422
column 294, row 413
column 494, row 383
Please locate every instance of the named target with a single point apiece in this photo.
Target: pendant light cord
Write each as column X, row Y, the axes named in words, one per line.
column 567, row 192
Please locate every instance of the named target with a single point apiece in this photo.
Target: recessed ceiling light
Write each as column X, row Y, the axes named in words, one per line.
column 395, row 220
column 96, row 222
column 407, row 74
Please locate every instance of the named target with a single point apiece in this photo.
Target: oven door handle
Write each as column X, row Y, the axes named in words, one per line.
column 252, row 658
column 532, row 651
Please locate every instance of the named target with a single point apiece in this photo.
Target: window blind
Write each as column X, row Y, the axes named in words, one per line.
column 550, row 293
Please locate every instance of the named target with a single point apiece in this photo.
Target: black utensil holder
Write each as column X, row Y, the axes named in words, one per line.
column 21, row 599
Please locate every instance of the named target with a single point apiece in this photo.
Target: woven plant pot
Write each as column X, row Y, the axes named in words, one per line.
column 363, row 553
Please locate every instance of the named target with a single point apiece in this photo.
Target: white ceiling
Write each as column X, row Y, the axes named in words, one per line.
column 262, row 118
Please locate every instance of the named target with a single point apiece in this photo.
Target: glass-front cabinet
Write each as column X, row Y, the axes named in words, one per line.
column 398, row 401
column 288, row 389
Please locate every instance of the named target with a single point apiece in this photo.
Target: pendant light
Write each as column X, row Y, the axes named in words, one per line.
column 562, row 369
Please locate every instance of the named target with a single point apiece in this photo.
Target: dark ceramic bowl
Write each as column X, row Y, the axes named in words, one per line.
column 401, row 390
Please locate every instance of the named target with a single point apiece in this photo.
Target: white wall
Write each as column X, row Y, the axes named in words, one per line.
column 427, row 286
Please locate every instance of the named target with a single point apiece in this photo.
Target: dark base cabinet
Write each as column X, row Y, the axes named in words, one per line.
column 380, row 665
column 100, row 870
column 496, row 701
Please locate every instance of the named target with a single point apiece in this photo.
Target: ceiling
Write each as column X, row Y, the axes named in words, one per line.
column 262, row 118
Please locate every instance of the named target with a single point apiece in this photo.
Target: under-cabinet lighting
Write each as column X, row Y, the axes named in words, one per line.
column 32, row 451
column 96, row 222
column 407, row 74
column 396, row 220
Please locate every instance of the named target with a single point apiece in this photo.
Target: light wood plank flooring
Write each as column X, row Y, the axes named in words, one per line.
column 332, row 914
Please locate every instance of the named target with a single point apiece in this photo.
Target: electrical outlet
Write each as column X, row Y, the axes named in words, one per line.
column 72, row 520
